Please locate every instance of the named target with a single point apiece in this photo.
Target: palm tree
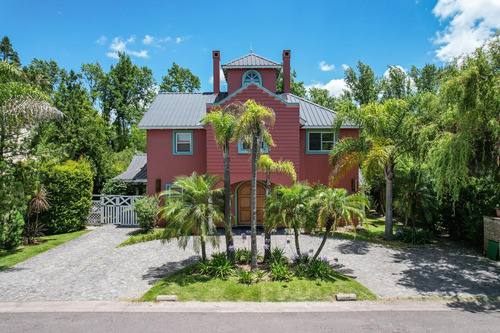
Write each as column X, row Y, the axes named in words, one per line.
column 267, row 165
column 251, row 128
column 21, row 105
column 333, row 205
column 385, row 131
column 193, row 208
column 289, row 206
column 223, row 121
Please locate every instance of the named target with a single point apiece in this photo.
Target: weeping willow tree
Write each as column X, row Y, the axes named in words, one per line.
column 191, row 209
column 267, row 165
column 460, row 137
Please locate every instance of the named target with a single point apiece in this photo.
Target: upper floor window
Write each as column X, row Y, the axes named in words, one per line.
column 245, row 148
column 251, row 77
column 183, row 142
column 320, row 142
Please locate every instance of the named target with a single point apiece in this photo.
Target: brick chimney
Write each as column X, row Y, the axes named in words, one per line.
column 216, row 57
column 286, row 71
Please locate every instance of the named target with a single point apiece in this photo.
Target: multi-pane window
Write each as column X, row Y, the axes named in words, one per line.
column 251, row 77
column 245, row 148
column 183, row 143
column 320, row 142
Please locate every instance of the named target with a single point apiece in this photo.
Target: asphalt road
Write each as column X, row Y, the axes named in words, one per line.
column 225, row 317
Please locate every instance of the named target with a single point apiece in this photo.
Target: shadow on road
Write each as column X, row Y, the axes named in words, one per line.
column 482, row 306
column 155, row 274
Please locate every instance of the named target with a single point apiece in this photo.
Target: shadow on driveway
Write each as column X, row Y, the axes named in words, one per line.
column 155, row 274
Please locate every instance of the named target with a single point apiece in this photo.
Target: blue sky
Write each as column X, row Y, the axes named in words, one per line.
column 324, row 36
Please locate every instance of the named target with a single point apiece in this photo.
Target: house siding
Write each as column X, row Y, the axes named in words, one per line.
column 284, row 134
column 235, row 77
column 164, row 165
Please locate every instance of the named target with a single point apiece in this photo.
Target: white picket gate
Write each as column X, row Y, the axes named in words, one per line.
column 119, row 209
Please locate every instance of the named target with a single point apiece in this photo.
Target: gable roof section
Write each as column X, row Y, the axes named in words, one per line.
column 314, row 115
column 137, row 171
column 178, row 110
column 251, row 60
column 245, row 87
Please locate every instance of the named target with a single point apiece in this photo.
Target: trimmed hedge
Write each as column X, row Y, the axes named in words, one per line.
column 11, row 230
column 70, row 194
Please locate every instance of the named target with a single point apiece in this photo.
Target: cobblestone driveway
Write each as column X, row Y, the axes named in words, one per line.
column 91, row 268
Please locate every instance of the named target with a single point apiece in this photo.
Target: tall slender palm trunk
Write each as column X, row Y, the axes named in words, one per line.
column 267, row 233
column 296, row 236
column 203, row 249
column 389, row 176
column 328, row 228
column 253, row 204
column 227, row 203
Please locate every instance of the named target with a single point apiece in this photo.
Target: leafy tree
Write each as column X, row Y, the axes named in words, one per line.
column 82, row 133
column 460, row 136
column 296, row 87
column 251, row 128
column 289, row 206
column 7, row 52
column 426, row 79
column 223, row 122
column 396, row 85
column 46, row 75
column 364, row 87
column 124, row 94
column 267, row 165
column 385, row 131
column 334, row 205
column 179, row 79
column 322, row 97
column 193, row 210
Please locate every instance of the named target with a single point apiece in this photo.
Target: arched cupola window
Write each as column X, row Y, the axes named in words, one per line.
column 251, row 76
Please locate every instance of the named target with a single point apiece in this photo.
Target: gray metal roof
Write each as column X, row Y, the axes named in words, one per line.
column 137, row 170
column 251, row 60
column 178, row 110
column 186, row 110
column 313, row 114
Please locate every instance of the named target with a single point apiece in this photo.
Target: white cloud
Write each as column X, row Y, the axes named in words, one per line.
column 325, row 67
column 181, row 39
column 113, row 55
column 344, row 66
column 148, row 40
column 469, row 24
column 221, row 75
column 166, row 39
column 120, row 45
column 335, row 86
column 102, row 40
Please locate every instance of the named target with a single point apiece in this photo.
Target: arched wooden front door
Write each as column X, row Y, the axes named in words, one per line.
column 244, row 199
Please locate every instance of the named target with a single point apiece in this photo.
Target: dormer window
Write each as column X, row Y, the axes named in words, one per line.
column 251, row 77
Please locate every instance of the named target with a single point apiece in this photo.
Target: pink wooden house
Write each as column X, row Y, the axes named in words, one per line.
column 178, row 143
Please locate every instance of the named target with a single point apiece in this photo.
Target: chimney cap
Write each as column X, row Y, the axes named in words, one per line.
column 286, row 53
column 216, row 54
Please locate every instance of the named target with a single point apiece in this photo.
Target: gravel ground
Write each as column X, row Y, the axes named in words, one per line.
column 91, row 268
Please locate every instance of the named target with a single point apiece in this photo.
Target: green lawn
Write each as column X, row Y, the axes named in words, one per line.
column 140, row 238
column 9, row 258
column 191, row 286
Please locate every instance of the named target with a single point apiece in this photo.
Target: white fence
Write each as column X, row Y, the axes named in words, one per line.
column 114, row 209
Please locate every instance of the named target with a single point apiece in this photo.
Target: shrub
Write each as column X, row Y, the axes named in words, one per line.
column 318, row 269
column 414, row 236
column 260, row 275
column 147, row 212
column 11, row 230
column 243, row 256
column 277, row 256
column 245, row 277
column 219, row 266
column 280, row 272
column 70, row 186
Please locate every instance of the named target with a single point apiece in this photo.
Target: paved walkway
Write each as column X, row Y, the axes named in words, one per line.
column 91, row 268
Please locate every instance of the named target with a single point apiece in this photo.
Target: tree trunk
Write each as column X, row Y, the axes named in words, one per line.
column 389, row 176
column 203, row 249
column 253, row 204
column 328, row 226
column 297, row 246
column 267, row 253
column 227, row 203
